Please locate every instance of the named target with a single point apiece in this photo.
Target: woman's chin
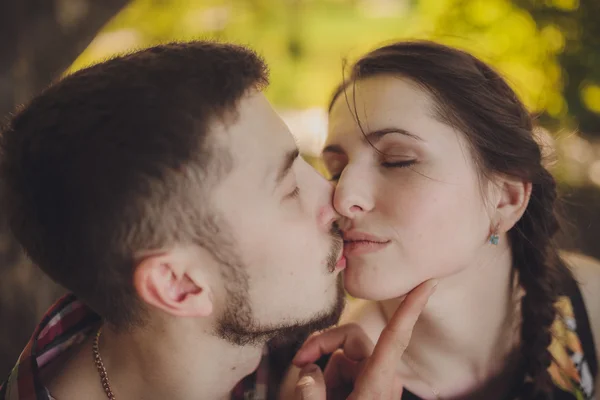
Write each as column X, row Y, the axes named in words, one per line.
column 367, row 288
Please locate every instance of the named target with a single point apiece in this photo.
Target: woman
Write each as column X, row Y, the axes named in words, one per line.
column 438, row 176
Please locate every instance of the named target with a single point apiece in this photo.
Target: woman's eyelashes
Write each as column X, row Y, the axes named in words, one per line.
column 294, row 194
column 386, row 164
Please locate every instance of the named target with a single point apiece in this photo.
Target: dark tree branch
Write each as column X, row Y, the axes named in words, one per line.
column 39, row 39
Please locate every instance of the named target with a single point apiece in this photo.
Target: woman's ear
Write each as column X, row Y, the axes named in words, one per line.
column 513, row 197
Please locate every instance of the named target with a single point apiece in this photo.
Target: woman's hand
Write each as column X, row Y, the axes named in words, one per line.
column 358, row 370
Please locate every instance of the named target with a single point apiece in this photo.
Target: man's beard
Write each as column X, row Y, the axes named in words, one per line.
column 238, row 327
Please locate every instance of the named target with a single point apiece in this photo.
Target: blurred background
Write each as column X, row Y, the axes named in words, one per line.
column 549, row 50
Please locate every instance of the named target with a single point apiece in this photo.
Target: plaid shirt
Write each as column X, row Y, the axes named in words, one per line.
column 69, row 322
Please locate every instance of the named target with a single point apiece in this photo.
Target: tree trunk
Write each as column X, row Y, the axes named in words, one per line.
column 39, row 40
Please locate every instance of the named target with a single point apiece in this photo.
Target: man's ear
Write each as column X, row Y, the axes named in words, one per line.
column 512, row 199
column 163, row 280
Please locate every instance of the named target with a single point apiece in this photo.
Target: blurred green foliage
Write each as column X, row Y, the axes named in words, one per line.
column 549, row 50
column 305, row 41
column 574, row 24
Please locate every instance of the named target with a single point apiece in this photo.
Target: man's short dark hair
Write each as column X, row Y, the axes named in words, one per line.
column 117, row 158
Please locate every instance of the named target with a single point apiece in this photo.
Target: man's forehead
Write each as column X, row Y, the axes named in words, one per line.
column 258, row 138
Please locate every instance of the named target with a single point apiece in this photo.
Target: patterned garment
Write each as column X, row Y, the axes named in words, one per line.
column 575, row 365
column 68, row 323
column 570, row 369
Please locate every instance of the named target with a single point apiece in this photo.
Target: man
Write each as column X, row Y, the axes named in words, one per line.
column 162, row 190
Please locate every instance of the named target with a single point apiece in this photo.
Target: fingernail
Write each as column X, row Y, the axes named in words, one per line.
column 306, row 385
column 306, row 381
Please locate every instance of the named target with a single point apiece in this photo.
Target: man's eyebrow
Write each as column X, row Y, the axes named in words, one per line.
column 373, row 137
column 286, row 165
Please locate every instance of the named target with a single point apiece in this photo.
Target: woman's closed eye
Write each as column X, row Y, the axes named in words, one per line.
column 398, row 164
column 294, row 194
column 334, row 176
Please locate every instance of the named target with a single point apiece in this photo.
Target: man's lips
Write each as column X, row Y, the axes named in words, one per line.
column 341, row 262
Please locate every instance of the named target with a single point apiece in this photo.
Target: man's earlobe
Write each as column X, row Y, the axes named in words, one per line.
column 163, row 281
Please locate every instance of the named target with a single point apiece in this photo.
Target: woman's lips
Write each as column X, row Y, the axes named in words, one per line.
column 358, row 247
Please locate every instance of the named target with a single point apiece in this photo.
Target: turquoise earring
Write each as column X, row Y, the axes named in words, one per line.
column 494, row 238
